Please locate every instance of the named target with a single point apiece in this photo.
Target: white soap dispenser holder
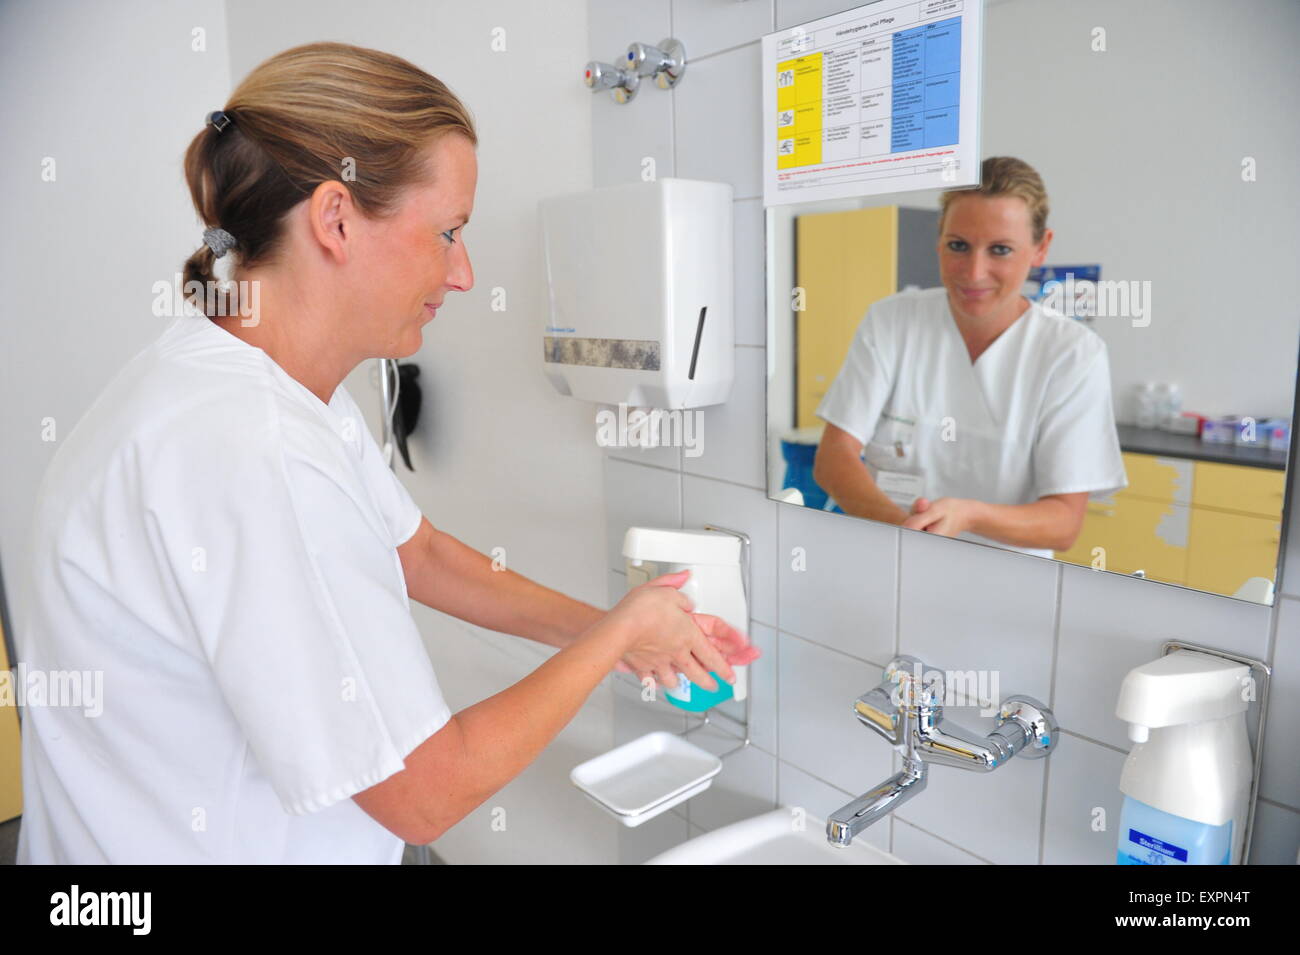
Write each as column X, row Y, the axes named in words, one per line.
column 649, row 775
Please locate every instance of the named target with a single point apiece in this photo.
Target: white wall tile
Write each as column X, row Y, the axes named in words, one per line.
column 798, row 790
column 707, row 501
column 792, row 12
column 707, row 26
column 663, row 455
column 613, row 24
column 818, row 731
column 1276, row 839
column 624, row 135
column 637, row 496
column 750, row 258
column 718, row 124
column 763, row 692
column 745, row 787
column 1082, row 776
column 1111, row 623
column 1280, row 774
column 845, row 598
column 995, row 815
column 965, row 606
column 635, row 717
column 918, row 847
column 731, row 435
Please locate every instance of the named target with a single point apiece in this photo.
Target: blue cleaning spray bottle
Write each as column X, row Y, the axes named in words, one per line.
column 1186, row 781
column 715, row 587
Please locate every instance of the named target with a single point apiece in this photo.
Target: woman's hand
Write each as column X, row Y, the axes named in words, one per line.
column 669, row 638
column 946, row 516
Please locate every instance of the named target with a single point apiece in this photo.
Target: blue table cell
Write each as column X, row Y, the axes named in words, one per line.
column 908, row 68
column 940, row 128
column 943, row 47
column 942, row 91
column 907, row 132
column 908, row 97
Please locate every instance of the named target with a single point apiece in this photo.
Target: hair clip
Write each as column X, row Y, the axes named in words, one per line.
column 218, row 120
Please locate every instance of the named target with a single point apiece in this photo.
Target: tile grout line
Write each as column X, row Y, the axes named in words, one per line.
column 945, row 841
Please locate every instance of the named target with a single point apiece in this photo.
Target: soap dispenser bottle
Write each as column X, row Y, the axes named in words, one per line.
column 714, row 587
column 1186, row 781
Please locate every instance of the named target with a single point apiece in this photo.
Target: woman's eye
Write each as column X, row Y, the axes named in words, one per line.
column 450, row 235
column 1001, row 249
column 957, row 245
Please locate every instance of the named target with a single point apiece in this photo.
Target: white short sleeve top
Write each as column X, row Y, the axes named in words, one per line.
column 218, row 548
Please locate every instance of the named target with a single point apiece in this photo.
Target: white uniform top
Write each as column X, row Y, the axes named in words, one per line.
column 1031, row 416
column 220, row 545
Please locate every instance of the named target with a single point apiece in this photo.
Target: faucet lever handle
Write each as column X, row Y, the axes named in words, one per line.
column 876, row 709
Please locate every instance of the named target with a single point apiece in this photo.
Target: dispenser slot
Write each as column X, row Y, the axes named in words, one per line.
column 695, row 350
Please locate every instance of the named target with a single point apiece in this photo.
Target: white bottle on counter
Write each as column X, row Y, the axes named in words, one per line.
column 1146, row 405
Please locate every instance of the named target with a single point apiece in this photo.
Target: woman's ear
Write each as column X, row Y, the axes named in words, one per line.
column 328, row 213
column 1041, row 255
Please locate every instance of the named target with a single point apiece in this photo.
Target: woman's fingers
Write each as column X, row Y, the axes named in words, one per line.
column 697, row 674
column 667, row 677
column 730, row 642
column 674, row 581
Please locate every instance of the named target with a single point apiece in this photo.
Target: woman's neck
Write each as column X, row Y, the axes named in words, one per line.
column 303, row 340
column 980, row 333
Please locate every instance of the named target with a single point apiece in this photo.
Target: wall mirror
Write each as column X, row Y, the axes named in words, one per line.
column 1163, row 138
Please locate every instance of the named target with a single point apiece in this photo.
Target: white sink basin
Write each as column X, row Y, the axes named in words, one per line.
column 771, row 839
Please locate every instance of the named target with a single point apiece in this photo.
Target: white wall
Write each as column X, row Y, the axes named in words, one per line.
column 1063, row 634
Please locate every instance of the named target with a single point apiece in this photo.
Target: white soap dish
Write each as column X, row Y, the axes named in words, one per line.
column 651, row 774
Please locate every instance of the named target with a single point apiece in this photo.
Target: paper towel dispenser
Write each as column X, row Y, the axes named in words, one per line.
column 640, row 293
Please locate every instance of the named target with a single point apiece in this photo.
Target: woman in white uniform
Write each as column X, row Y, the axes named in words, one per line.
column 967, row 410
column 220, row 539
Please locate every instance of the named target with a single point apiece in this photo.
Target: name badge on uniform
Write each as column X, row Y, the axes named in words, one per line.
column 901, row 488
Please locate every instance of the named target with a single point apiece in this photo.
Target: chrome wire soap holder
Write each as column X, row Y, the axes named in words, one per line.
column 649, row 775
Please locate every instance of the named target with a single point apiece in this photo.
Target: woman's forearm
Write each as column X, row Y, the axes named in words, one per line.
column 461, row 581
column 488, row 744
column 847, row 480
column 1046, row 523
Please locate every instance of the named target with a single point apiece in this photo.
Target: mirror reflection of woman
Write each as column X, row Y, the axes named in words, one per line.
column 968, row 410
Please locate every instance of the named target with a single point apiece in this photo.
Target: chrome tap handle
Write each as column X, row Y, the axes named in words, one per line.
column 621, row 83
column 665, row 62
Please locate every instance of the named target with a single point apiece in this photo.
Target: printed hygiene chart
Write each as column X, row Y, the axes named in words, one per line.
column 882, row 98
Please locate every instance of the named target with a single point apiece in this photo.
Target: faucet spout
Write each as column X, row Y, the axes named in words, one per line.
column 847, row 822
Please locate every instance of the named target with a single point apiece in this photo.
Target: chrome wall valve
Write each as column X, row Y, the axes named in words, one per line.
column 621, row 83
column 665, row 62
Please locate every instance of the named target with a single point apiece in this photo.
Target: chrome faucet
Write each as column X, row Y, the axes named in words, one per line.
column 906, row 710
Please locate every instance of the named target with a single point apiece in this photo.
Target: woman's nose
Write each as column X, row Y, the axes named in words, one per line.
column 461, row 274
column 975, row 267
